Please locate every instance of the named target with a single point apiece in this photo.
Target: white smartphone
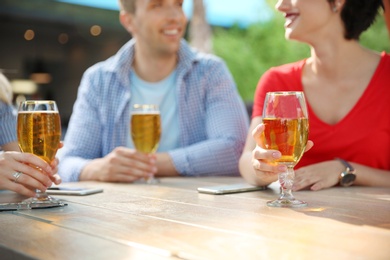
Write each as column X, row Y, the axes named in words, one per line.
column 230, row 188
column 77, row 191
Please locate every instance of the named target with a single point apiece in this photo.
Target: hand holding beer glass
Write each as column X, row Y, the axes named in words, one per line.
column 286, row 130
column 39, row 133
column 146, row 130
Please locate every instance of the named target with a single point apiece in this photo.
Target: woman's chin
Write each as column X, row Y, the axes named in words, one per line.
column 289, row 35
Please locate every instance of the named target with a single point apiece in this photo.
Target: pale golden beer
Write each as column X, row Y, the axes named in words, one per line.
column 289, row 136
column 39, row 133
column 146, row 130
column 286, row 129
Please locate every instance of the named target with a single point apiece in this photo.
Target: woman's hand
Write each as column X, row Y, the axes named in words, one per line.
column 257, row 165
column 318, row 176
column 55, row 178
column 263, row 160
column 31, row 168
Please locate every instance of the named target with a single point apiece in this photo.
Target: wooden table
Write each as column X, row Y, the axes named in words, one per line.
column 173, row 221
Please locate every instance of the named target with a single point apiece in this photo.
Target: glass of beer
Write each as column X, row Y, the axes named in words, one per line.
column 146, row 130
column 39, row 133
column 286, row 130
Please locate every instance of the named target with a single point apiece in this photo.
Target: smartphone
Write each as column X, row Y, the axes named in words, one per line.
column 230, row 188
column 77, row 191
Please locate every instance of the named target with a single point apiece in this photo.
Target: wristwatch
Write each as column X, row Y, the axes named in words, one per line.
column 348, row 176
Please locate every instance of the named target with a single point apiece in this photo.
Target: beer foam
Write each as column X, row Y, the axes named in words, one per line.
column 145, row 112
column 38, row 111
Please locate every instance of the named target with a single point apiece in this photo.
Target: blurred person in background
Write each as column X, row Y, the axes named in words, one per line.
column 347, row 89
column 18, row 171
column 204, row 121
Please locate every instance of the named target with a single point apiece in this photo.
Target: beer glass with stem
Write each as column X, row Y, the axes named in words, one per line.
column 146, row 130
column 39, row 133
column 286, row 130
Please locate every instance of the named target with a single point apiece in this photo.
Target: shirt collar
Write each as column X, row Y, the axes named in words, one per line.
column 121, row 63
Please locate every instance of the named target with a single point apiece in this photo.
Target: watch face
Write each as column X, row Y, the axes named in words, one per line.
column 348, row 179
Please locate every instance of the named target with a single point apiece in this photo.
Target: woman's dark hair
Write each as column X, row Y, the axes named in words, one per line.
column 358, row 16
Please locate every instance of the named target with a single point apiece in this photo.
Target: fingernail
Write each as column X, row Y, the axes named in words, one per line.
column 276, row 155
column 282, row 168
column 49, row 183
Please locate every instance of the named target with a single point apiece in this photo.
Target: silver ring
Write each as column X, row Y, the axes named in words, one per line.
column 16, row 176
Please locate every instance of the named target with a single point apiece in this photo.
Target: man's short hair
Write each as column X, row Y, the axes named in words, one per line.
column 127, row 5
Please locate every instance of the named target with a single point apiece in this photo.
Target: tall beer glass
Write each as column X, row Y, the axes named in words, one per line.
column 146, row 130
column 39, row 133
column 286, row 129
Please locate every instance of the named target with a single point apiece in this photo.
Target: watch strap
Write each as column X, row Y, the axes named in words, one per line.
column 348, row 167
column 347, row 177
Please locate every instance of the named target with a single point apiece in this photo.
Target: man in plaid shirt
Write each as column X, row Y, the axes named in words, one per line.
column 204, row 121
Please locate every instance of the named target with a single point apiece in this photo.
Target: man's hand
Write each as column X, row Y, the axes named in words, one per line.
column 121, row 165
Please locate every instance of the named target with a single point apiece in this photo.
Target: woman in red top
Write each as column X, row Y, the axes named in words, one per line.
column 347, row 88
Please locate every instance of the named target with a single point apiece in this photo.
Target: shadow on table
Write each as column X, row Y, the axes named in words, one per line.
column 371, row 207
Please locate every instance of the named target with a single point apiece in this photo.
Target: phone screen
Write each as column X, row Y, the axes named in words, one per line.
column 78, row 191
column 231, row 188
column 67, row 188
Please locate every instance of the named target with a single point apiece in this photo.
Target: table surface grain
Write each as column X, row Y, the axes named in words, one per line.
column 172, row 220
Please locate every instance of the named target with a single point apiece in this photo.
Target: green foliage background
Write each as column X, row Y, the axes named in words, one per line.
column 250, row 52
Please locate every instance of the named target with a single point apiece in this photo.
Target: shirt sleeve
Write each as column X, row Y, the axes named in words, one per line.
column 7, row 124
column 224, row 126
column 82, row 142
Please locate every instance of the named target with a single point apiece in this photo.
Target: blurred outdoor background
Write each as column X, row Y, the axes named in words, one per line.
column 46, row 45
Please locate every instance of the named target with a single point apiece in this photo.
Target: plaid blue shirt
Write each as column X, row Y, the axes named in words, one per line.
column 213, row 121
column 7, row 124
